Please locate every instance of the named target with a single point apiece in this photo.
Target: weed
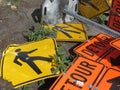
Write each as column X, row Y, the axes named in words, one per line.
column 40, row 33
column 102, row 18
column 26, row 87
column 14, row 2
column 41, row 82
column 62, row 61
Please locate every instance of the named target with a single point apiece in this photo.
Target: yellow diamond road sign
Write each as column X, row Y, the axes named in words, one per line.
column 92, row 8
column 69, row 32
column 29, row 62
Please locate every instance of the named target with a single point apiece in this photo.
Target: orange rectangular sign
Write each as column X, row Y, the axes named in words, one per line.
column 110, row 80
column 114, row 19
column 112, row 59
column 116, row 43
column 94, row 48
column 79, row 75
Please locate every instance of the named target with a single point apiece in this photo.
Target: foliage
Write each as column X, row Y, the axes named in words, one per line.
column 102, row 18
column 41, row 82
column 40, row 33
column 14, row 2
column 26, row 87
column 61, row 60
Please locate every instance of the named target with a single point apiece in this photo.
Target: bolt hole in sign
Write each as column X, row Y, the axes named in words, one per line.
column 79, row 75
column 29, row 62
column 92, row 8
column 94, row 48
column 116, row 43
column 114, row 19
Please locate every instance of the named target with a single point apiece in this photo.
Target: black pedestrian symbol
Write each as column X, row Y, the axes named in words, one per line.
column 23, row 56
column 115, row 61
column 90, row 3
column 115, row 83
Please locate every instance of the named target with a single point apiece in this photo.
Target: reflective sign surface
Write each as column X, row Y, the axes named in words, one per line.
column 116, row 43
column 114, row 19
column 94, row 48
column 29, row 62
column 92, row 8
column 78, row 76
column 110, row 80
column 70, row 32
column 112, row 59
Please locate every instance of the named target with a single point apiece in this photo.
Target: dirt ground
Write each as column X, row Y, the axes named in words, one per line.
column 15, row 23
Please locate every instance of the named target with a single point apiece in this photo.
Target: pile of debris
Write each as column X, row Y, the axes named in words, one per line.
column 97, row 62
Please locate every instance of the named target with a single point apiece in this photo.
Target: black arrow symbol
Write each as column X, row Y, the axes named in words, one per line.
column 115, row 61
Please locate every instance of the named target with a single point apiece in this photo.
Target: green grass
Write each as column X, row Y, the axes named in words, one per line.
column 40, row 33
column 14, row 2
column 62, row 61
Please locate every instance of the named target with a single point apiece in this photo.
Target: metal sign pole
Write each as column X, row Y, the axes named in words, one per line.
column 87, row 21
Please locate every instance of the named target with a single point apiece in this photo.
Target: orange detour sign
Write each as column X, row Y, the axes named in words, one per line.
column 112, row 59
column 114, row 19
column 94, row 48
column 92, row 8
column 30, row 62
column 110, row 80
column 116, row 43
column 79, row 75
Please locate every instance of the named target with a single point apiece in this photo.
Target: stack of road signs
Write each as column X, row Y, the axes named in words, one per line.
column 79, row 75
column 95, row 47
column 69, row 32
column 116, row 43
column 114, row 19
column 92, row 8
column 96, row 67
column 29, row 62
column 99, row 49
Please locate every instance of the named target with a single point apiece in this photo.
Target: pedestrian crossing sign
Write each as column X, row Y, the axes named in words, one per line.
column 29, row 62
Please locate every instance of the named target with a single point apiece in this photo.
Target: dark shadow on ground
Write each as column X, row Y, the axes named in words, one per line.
column 48, row 84
column 72, row 48
column 37, row 15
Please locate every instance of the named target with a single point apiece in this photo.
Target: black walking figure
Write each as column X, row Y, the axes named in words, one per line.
column 23, row 56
